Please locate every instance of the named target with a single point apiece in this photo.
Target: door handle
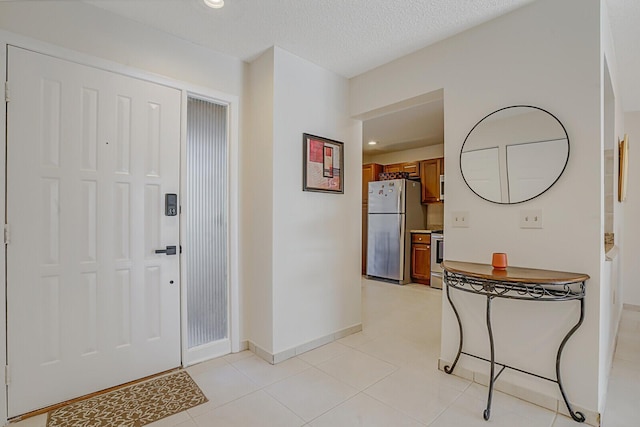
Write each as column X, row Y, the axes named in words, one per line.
column 170, row 250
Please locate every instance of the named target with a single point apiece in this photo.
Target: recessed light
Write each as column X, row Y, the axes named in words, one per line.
column 373, row 142
column 215, row 4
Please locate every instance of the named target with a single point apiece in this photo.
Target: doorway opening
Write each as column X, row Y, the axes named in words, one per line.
column 407, row 139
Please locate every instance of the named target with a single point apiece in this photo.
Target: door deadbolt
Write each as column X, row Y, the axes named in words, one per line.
column 171, row 204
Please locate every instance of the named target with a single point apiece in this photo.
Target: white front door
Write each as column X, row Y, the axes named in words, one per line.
column 91, row 155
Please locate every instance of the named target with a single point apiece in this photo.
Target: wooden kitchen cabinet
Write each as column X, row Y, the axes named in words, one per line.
column 421, row 258
column 430, row 171
column 413, row 168
column 394, row 167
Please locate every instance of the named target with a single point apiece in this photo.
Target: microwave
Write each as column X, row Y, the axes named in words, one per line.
column 441, row 187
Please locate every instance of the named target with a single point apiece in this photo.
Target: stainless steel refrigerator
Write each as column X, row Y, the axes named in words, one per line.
column 394, row 210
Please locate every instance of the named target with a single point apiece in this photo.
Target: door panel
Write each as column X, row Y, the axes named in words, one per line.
column 386, row 196
column 90, row 156
column 385, row 253
column 420, row 262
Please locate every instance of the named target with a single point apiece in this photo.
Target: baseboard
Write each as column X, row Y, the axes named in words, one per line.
column 551, row 403
column 244, row 345
column 631, row 307
column 303, row 348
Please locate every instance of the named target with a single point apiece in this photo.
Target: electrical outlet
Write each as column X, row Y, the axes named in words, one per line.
column 460, row 219
column 531, row 218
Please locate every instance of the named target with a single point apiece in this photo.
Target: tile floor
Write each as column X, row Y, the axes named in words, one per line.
column 383, row 376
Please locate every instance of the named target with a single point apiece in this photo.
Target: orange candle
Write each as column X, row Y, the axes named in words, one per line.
column 499, row 260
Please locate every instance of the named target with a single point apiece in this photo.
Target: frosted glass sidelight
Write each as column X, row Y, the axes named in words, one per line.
column 206, row 222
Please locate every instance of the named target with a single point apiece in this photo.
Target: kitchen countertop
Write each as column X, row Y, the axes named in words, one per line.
column 421, row 231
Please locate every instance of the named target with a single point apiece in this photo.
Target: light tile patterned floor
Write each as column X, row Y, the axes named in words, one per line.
column 383, row 376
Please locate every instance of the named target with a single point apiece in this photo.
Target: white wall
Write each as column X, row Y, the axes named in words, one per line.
column 530, row 56
column 304, row 246
column 84, row 28
column 631, row 269
column 257, row 201
column 3, row 219
column 422, row 153
column 612, row 121
column 316, row 246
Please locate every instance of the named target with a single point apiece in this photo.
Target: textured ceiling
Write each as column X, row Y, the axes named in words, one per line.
column 348, row 37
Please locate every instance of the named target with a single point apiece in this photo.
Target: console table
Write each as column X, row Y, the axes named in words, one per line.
column 514, row 283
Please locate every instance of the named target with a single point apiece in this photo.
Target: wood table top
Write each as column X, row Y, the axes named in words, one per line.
column 513, row 274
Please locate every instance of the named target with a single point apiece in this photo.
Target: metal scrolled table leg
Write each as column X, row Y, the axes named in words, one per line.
column 449, row 369
column 577, row 416
column 487, row 411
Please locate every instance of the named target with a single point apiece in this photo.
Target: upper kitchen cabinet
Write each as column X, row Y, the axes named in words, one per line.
column 370, row 173
column 392, row 168
column 430, row 172
column 412, row 168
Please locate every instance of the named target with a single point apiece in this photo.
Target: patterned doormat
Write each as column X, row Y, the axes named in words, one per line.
column 132, row 406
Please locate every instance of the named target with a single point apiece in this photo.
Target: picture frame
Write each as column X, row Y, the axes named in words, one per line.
column 623, row 166
column 322, row 164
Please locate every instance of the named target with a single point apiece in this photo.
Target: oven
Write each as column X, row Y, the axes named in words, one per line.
column 437, row 256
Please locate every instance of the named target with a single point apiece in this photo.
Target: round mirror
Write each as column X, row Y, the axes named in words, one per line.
column 514, row 154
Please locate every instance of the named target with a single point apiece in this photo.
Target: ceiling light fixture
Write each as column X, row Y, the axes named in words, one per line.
column 373, row 142
column 215, row 4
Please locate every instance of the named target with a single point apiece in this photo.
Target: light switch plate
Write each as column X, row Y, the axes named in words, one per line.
column 460, row 219
column 531, row 218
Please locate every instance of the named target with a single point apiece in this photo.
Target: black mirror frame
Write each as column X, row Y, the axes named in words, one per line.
column 537, row 195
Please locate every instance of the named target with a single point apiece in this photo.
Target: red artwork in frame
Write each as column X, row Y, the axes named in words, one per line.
column 323, row 163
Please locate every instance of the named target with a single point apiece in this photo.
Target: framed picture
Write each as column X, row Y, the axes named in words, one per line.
column 323, row 164
column 623, row 166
